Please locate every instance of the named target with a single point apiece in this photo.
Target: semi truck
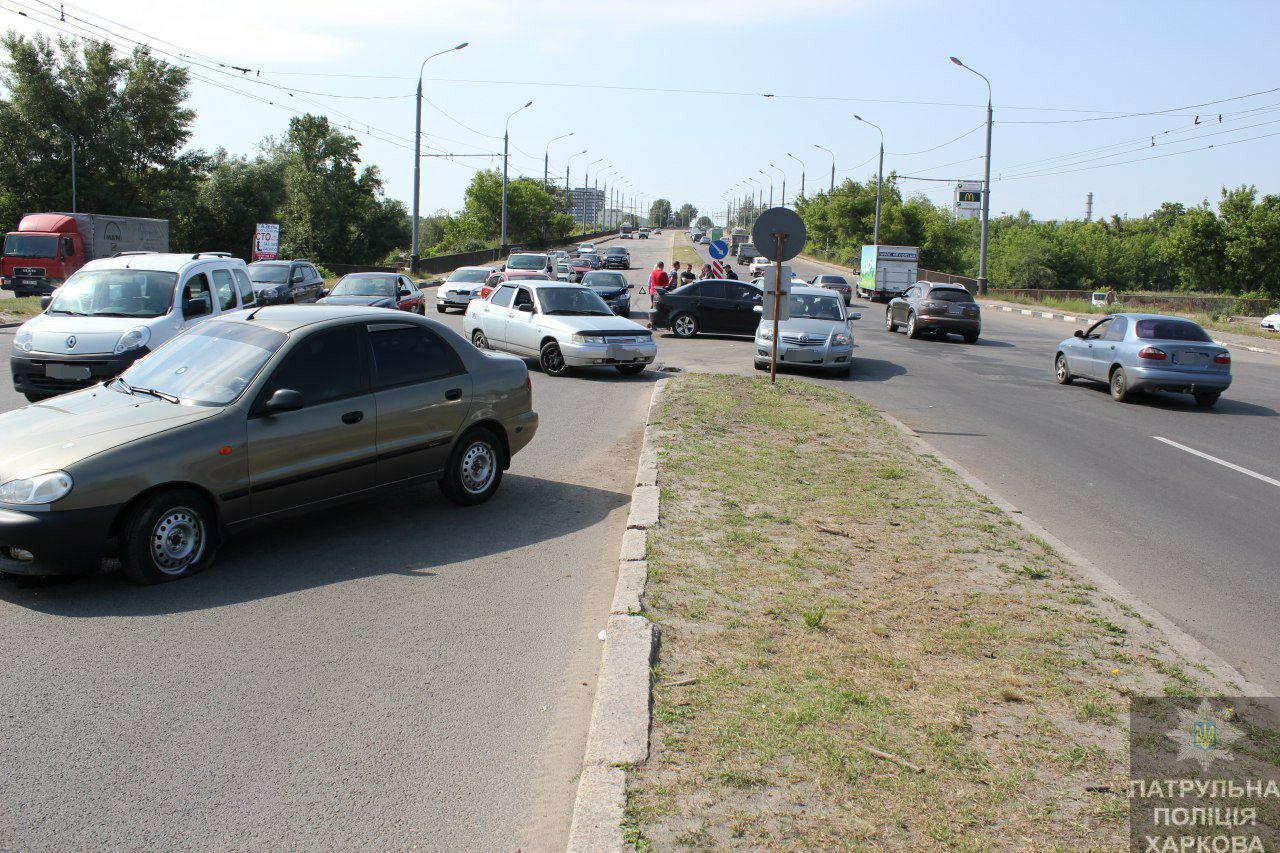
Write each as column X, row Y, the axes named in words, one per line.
column 48, row 247
column 887, row 271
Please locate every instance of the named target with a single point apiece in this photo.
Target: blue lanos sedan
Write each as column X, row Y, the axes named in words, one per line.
column 1146, row 352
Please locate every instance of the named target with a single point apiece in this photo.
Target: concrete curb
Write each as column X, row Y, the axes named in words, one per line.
column 1089, row 318
column 1182, row 642
column 618, row 735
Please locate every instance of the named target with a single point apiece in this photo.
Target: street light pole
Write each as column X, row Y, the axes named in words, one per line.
column 72, row 140
column 879, row 179
column 770, row 177
column 801, row 162
column 783, row 173
column 546, row 158
column 506, row 145
column 568, row 190
column 586, row 185
column 833, row 166
column 986, row 186
column 417, row 156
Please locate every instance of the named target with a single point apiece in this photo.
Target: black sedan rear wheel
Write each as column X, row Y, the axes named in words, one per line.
column 684, row 325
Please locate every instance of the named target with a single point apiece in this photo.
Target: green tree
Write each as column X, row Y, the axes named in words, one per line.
column 659, row 212
column 685, row 215
column 704, row 222
column 125, row 114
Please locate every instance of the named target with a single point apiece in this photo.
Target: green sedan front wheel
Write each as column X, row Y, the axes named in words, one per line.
column 168, row 535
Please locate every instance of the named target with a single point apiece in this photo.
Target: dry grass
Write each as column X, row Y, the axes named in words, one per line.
column 19, row 308
column 859, row 651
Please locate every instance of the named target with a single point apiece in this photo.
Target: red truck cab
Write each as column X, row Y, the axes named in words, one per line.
column 42, row 253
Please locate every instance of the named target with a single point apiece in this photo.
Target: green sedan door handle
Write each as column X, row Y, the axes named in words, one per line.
column 453, row 394
column 353, row 417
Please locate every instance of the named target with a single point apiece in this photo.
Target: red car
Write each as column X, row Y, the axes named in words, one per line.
column 378, row 290
column 492, row 282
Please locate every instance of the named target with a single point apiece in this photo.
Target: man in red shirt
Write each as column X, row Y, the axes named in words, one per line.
column 657, row 279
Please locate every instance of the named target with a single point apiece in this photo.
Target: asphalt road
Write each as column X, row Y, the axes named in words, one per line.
column 396, row 674
column 1196, row 539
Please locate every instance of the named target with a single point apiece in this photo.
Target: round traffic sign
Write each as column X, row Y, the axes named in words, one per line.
column 718, row 249
column 779, row 222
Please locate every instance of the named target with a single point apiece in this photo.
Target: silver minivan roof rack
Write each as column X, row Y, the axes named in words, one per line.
column 199, row 255
column 142, row 252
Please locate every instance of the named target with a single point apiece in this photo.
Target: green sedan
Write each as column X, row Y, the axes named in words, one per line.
column 248, row 419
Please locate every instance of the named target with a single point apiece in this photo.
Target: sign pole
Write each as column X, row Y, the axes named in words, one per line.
column 777, row 291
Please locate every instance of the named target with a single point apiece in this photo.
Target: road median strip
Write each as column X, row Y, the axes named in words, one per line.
column 858, row 648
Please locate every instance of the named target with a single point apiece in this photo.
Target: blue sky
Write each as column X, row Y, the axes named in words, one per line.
column 1051, row 65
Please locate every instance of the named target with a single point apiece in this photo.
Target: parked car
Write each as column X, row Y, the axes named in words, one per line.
column 461, row 287
column 377, row 290
column 838, row 283
column 1134, row 353
column 564, row 326
column 491, row 284
column 613, row 288
column 616, row 258
column 528, row 262
column 818, row 333
column 1271, row 322
column 564, row 272
column 283, row 282
column 747, row 254
column 114, row 311
column 716, row 306
column 940, row 309
column 247, row 417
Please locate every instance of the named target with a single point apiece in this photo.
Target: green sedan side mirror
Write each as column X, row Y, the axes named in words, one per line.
column 282, row 400
column 44, row 302
column 1079, row 333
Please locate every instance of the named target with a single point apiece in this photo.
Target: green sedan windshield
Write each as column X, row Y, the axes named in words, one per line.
column 210, row 365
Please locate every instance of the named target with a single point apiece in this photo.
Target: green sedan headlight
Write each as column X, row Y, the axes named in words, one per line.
column 40, row 489
column 588, row 339
column 841, row 339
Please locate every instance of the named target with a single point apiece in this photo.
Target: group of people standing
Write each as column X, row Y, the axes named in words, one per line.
column 660, row 279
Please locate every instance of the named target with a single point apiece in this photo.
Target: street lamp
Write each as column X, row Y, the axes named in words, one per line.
column 506, row 144
column 546, row 158
column 782, row 172
column 879, row 179
column 833, row 166
column 611, row 172
column 417, row 156
column 801, row 162
column 568, row 190
column 770, row 177
column 72, row 140
column 757, row 204
column 986, row 185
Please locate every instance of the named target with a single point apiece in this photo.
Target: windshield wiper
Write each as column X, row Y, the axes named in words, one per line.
column 128, row 389
column 162, row 395
column 66, row 311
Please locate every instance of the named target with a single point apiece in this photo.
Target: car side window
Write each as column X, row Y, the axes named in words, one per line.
column 494, row 280
column 710, row 290
column 245, row 286
column 524, row 296
column 503, row 296
column 1098, row 329
column 322, row 367
column 312, row 274
column 405, row 284
column 1115, row 331
column 404, row 354
column 226, row 288
column 297, row 275
column 196, row 298
column 743, row 293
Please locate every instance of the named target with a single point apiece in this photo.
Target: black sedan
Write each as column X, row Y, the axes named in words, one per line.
column 709, row 305
column 939, row 309
column 612, row 287
column 377, row 290
column 284, row 282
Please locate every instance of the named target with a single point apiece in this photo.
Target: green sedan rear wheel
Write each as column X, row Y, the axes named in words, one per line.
column 475, row 468
column 169, row 535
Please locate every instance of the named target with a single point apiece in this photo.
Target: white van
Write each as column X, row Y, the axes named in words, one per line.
column 114, row 311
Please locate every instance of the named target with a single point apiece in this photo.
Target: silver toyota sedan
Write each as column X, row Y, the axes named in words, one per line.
column 817, row 334
column 1133, row 353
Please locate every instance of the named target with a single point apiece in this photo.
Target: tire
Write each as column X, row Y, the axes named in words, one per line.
column 479, row 340
column 889, row 325
column 969, row 337
column 1120, row 386
column 762, row 365
column 475, row 468
column 913, row 331
column 442, row 309
column 551, row 360
column 1207, row 400
column 167, row 536
column 630, row 369
column 684, row 325
column 1062, row 373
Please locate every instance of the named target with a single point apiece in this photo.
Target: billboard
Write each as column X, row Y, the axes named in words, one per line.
column 968, row 199
column 266, row 241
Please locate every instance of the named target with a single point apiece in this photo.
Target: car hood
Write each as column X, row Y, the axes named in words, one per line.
column 571, row 324
column 609, row 291
column 51, row 332
column 815, row 329
column 56, row 433
column 370, row 301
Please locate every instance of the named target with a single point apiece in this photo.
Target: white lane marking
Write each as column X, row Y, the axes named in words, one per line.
column 1048, row 315
column 1067, row 318
column 1025, row 311
column 1254, row 474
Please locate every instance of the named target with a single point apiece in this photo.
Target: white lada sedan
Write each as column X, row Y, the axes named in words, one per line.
column 563, row 326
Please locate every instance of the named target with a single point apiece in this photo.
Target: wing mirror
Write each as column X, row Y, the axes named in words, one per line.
column 525, row 307
column 324, row 291
column 856, row 315
column 631, row 287
column 45, row 301
column 403, row 292
column 1079, row 333
column 282, row 400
